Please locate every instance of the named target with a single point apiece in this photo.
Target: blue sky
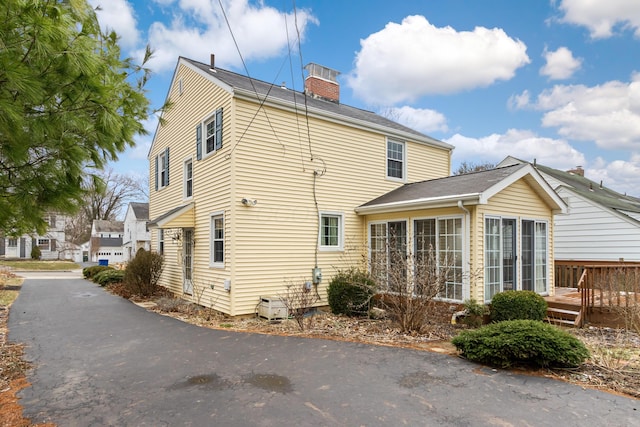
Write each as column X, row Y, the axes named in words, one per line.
column 555, row 81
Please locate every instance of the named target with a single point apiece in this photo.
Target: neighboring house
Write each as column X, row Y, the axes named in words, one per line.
column 106, row 241
column 136, row 233
column 52, row 244
column 601, row 225
column 256, row 187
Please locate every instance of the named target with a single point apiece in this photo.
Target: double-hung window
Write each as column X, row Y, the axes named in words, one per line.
column 43, row 244
column 331, row 231
column 396, row 160
column 188, row 179
column 211, row 130
column 162, row 169
column 217, row 240
column 161, row 241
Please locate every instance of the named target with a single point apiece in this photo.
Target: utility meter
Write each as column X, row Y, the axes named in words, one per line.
column 316, row 273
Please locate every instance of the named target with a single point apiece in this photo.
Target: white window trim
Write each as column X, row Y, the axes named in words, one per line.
column 184, row 178
column 212, row 216
column 340, row 246
column 404, row 160
column 210, row 118
column 161, row 247
column 548, row 251
column 161, row 182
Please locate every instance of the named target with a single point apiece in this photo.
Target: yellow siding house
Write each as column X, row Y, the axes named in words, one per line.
column 255, row 187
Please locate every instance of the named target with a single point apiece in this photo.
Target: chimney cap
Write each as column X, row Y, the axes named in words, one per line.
column 322, row 72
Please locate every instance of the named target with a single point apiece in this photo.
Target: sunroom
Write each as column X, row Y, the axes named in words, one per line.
column 491, row 230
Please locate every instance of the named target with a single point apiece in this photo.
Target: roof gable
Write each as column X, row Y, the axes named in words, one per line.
column 588, row 189
column 472, row 188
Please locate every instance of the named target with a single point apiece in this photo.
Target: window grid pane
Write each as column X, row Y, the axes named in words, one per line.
column 395, row 159
column 217, row 239
column 210, row 136
column 330, row 230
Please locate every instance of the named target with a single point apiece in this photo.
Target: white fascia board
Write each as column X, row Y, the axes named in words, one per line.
column 340, row 119
column 424, row 203
column 158, row 224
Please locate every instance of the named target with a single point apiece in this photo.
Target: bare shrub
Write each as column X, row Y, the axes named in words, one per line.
column 409, row 283
column 174, row 305
column 143, row 272
column 624, row 284
column 299, row 299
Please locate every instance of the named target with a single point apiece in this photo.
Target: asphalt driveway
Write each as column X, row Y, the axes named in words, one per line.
column 100, row 360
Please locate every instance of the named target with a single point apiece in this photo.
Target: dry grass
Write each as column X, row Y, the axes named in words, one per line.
column 39, row 265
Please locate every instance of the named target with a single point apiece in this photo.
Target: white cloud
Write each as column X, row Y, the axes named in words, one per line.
column 405, row 61
column 619, row 175
column 518, row 102
column 600, row 17
column 608, row 114
column 521, row 144
column 118, row 15
column 421, row 119
column 560, row 64
column 199, row 29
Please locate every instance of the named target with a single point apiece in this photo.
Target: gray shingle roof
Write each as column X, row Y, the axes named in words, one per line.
column 274, row 91
column 592, row 190
column 458, row 185
column 140, row 210
column 108, row 226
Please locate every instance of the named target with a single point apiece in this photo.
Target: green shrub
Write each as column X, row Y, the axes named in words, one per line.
column 36, row 253
column 350, row 292
column 107, row 277
column 521, row 342
column 89, row 272
column 475, row 313
column 142, row 273
column 515, row 305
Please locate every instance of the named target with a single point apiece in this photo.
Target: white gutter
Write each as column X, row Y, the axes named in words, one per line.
column 432, row 202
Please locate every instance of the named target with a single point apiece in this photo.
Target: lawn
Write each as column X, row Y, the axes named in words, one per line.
column 40, row 265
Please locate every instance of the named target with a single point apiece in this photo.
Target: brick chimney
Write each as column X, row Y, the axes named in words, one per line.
column 321, row 82
column 577, row 171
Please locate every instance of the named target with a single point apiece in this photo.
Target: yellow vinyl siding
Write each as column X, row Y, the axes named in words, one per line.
column 275, row 241
column 517, row 201
column 198, row 101
column 268, row 157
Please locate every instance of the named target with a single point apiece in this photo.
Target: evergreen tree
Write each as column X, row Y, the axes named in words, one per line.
column 69, row 104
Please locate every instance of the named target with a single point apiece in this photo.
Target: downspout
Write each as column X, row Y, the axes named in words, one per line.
column 467, row 243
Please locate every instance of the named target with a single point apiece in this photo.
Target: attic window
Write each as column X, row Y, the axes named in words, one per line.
column 180, row 89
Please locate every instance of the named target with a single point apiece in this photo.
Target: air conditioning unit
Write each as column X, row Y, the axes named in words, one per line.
column 272, row 308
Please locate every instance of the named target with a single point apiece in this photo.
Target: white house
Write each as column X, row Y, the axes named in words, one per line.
column 52, row 244
column 136, row 233
column 106, row 241
column 601, row 225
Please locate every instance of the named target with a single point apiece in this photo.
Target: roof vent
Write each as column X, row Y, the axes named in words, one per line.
column 322, row 83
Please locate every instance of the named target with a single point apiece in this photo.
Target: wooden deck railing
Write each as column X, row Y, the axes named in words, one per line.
column 603, row 285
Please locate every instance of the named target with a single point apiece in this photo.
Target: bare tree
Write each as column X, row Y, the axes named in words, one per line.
column 409, row 283
column 105, row 197
column 469, row 167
